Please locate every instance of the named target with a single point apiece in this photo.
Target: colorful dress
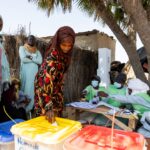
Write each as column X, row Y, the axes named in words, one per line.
column 28, row 71
column 49, row 83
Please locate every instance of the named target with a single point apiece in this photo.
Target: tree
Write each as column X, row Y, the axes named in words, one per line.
column 100, row 10
column 50, row 5
column 136, row 11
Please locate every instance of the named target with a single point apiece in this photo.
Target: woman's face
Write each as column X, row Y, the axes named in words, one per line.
column 66, row 46
column 31, row 41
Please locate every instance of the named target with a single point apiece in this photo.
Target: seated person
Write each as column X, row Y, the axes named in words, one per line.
column 7, row 110
column 115, row 68
column 137, row 94
column 22, row 99
column 140, row 93
column 118, row 87
column 90, row 93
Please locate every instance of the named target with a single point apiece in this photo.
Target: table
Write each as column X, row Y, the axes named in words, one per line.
column 103, row 110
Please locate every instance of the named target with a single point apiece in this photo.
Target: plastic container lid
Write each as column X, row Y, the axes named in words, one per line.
column 99, row 138
column 42, row 131
column 5, row 134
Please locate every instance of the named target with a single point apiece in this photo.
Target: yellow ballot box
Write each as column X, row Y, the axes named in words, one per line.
column 39, row 134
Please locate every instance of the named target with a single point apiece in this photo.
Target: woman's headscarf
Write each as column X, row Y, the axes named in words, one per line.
column 62, row 33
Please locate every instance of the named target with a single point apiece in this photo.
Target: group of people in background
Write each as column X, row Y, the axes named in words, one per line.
column 132, row 96
column 22, row 90
column 40, row 85
column 31, row 59
column 120, row 93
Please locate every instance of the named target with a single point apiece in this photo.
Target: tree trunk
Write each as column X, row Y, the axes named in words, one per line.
column 136, row 11
column 128, row 44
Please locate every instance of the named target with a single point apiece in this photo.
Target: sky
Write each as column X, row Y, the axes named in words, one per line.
column 17, row 13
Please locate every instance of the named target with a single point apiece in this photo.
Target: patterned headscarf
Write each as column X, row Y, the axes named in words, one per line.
column 62, row 33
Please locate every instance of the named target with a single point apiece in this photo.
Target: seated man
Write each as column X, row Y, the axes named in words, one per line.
column 137, row 94
column 140, row 95
column 7, row 110
column 90, row 93
column 118, row 87
column 115, row 68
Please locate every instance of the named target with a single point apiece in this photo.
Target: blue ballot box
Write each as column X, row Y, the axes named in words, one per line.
column 6, row 137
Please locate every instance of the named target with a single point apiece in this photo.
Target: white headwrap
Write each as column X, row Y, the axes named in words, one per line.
column 137, row 86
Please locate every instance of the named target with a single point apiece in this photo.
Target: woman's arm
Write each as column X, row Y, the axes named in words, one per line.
column 24, row 56
column 37, row 58
column 45, row 86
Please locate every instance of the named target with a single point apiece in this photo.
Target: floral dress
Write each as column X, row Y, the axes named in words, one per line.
column 49, row 83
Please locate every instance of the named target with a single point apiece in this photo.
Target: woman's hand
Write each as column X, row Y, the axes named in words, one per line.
column 50, row 116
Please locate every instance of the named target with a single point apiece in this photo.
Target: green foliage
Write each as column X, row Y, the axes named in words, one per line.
column 50, row 5
column 91, row 7
column 84, row 5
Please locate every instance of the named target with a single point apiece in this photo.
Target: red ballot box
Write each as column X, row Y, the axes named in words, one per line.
column 99, row 138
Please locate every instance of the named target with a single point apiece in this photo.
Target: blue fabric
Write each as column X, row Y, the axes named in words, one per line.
column 5, row 134
column 28, row 70
column 22, row 97
column 20, row 102
column 85, row 105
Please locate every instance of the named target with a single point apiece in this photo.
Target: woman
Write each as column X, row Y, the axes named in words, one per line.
column 30, row 60
column 49, row 79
